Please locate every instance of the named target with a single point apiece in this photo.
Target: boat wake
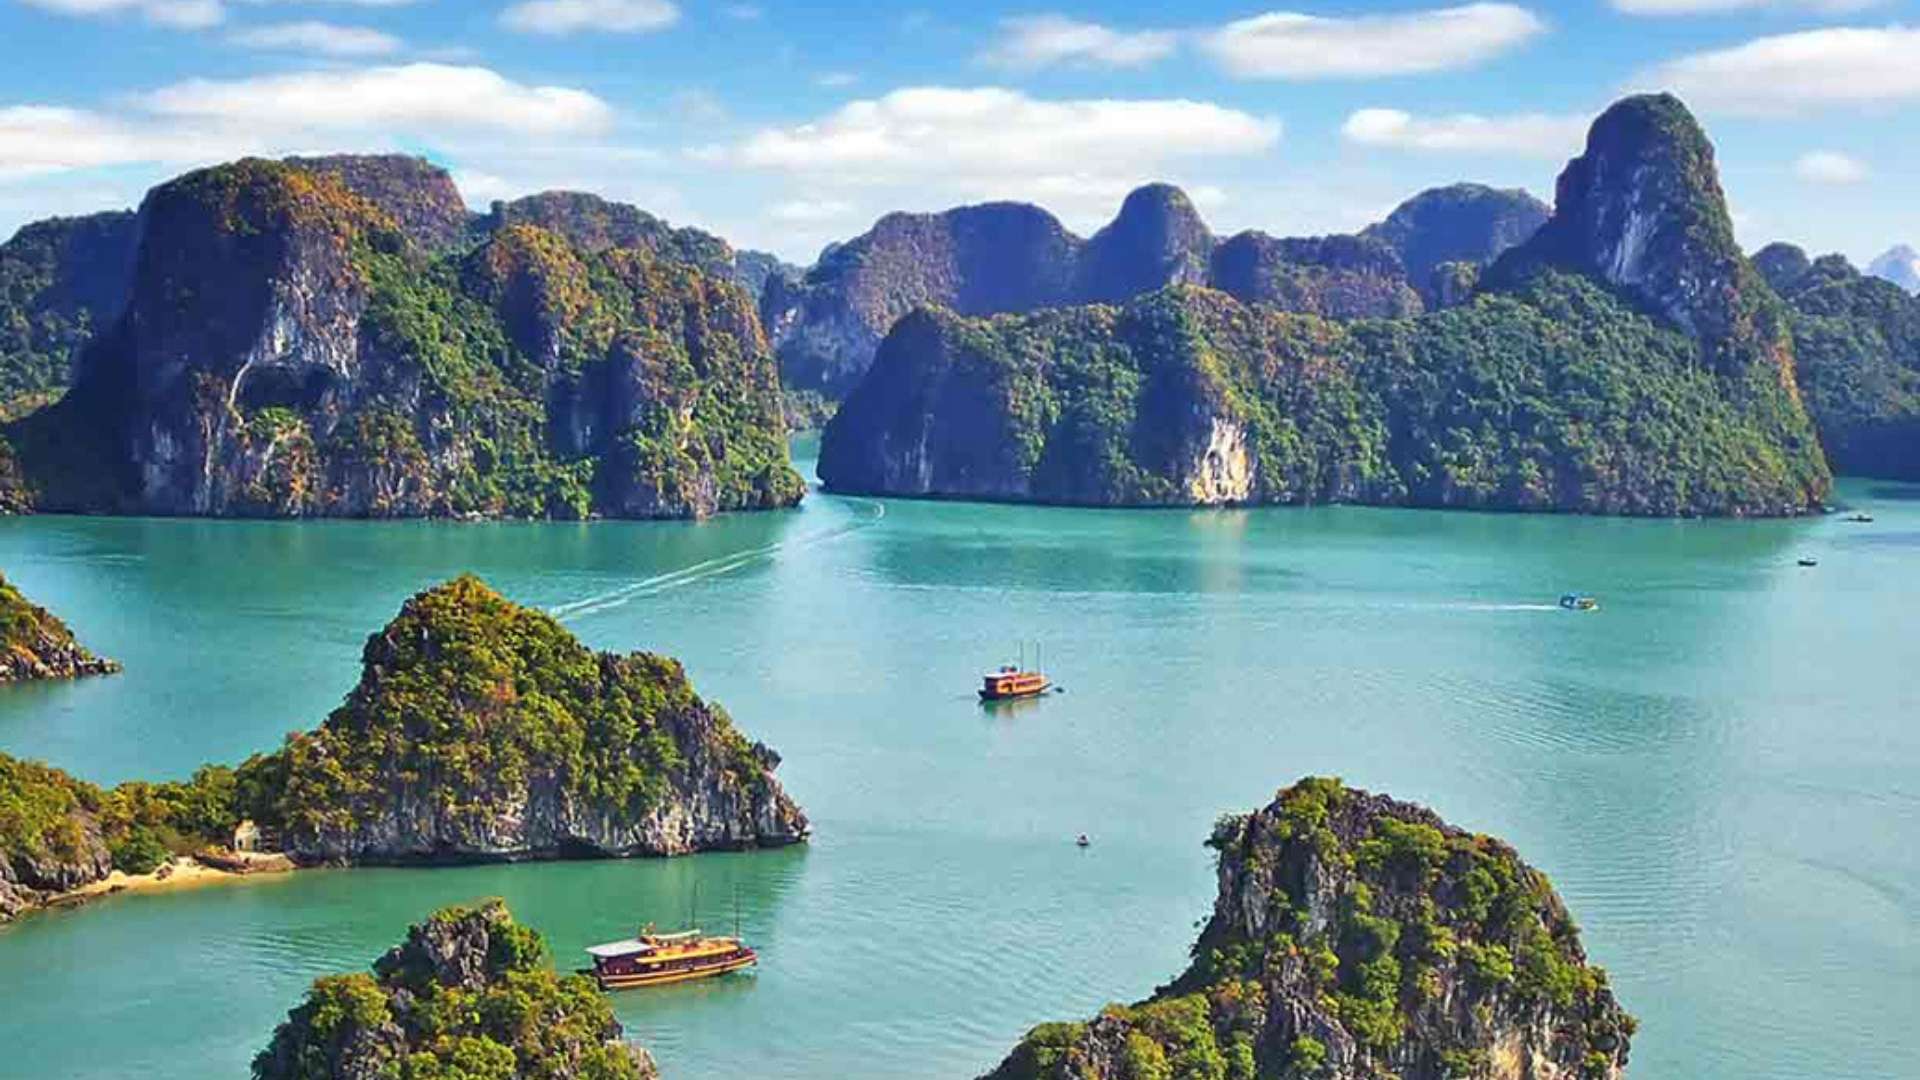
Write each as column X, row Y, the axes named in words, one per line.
column 709, row 568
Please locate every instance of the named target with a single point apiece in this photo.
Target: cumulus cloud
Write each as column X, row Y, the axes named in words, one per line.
column 327, row 39
column 1029, row 43
column 1829, row 167
column 36, row 140
column 939, row 131
column 422, row 97
column 185, row 14
column 1714, row 7
column 1541, row 135
column 1799, row 72
column 1294, row 46
column 577, row 16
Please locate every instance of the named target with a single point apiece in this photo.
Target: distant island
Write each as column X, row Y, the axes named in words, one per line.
column 35, row 644
column 479, row 731
column 1625, row 359
column 1359, row 937
column 469, row 993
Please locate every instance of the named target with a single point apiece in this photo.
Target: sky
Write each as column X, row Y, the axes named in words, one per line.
column 784, row 126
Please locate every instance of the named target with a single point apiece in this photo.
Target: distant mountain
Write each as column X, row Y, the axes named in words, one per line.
column 1014, row 258
column 1625, row 359
column 1464, row 223
column 1857, row 343
column 1899, row 264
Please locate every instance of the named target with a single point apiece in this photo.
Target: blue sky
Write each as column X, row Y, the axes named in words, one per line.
column 783, row 126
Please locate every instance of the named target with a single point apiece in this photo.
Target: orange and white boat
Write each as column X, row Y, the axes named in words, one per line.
column 650, row 959
column 1010, row 682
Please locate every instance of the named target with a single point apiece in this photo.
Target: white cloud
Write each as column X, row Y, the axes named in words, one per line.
column 428, row 98
column 1714, row 7
column 575, row 16
column 36, row 140
column 1791, row 73
column 1294, row 46
column 327, row 39
column 939, row 131
column 1829, row 167
column 835, row 79
column 1029, row 43
column 185, row 14
column 811, row 211
column 1542, row 135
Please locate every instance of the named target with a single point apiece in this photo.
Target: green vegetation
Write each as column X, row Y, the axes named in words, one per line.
column 470, row 995
column 474, row 698
column 73, row 831
column 1345, row 920
column 1560, row 396
column 35, row 644
column 61, row 282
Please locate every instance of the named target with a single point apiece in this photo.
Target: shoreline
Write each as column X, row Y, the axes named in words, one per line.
column 184, row 872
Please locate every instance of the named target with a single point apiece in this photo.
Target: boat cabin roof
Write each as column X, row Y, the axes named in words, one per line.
column 643, row 944
column 1010, row 673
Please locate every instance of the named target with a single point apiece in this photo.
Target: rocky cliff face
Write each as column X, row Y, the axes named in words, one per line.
column 1857, row 348
column 470, row 992
column 482, row 731
column 61, row 282
column 1334, row 277
column 1157, row 239
column 36, row 645
column 593, row 225
column 1188, row 397
column 1464, row 223
column 294, row 348
column 1356, row 937
column 51, row 838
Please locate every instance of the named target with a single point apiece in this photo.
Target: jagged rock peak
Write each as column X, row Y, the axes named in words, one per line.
column 1782, row 264
column 1157, row 239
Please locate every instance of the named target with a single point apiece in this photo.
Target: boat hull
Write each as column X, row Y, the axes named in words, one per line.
column 637, row 980
column 1016, row 695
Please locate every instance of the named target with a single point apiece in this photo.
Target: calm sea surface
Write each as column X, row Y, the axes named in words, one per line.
column 1720, row 769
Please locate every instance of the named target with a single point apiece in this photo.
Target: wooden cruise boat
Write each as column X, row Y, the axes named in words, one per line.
column 1010, row 683
column 650, row 959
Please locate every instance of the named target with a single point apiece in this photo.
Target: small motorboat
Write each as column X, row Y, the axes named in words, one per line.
column 1579, row 602
column 1861, row 519
column 1083, row 841
column 1809, row 562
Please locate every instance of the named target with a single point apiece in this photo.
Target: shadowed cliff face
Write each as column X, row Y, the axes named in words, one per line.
column 1464, row 223
column 1355, row 937
column 61, row 282
column 1009, row 258
column 293, row 348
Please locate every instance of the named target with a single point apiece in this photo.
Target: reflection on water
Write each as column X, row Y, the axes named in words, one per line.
column 1718, row 768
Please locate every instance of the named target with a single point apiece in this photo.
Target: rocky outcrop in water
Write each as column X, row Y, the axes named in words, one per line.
column 1857, row 349
column 296, row 345
column 34, row 644
column 483, row 731
column 1591, row 371
column 51, row 840
column 1355, row 937
column 469, row 993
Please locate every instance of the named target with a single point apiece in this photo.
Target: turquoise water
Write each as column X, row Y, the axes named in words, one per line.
column 1720, row 769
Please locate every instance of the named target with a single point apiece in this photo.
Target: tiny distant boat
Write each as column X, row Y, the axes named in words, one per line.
column 1861, row 519
column 650, row 959
column 1083, row 841
column 1010, row 683
column 1809, row 562
column 1579, row 602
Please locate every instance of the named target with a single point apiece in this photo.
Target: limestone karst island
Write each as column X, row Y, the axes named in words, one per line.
column 637, row 539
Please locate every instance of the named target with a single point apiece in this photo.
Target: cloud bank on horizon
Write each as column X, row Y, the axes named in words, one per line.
column 787, row 127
